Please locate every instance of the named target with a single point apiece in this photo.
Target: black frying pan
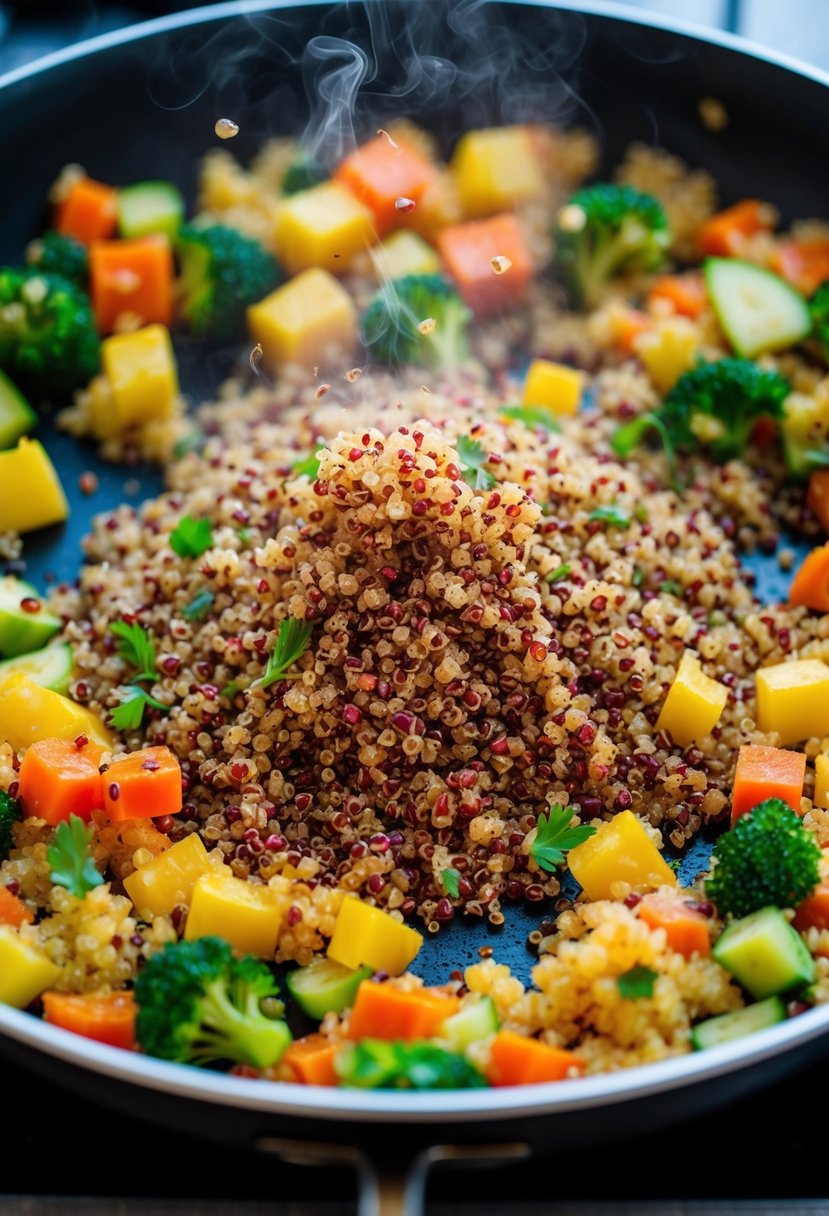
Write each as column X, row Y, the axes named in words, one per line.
column 143, row 103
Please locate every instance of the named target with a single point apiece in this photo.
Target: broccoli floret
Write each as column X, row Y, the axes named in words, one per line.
column 397, row 325
column 768, row 858
column 605, row 230
column 48, row 341
column 377, row 1064
column 222, row 272
column 58, row 253
column 714, row 405
column 10, row 812
column 199, row 1004
column 302, row 173
column 819, row 309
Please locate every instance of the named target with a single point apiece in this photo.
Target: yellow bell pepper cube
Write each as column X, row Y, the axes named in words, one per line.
column 324, row 226
column 822, row 781
column 553, row 386
column 29, row 713
column 403, row 253
column 495, row 169
column 365, row 936
column 694, row 703
column 140, row 368
column 168, row 879
column 305, row 321
column 668, row 350
column 247, row 916
column 31, row 495
column 25, row 971
column 793, row 699
column 620, row 852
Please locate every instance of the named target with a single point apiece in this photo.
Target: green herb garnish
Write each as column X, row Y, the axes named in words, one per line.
column 559, row 573
column 130, row 713
column 136, row 648
column 244, row 535
column 199, row 606
column 449, row 880
column 531, row 415
column 191, row 537
column 473, row 458
column 10, row 812
column 638, row 577
column 640, row 513
column 230, row 689
column 610, row 514
column 554, row 835
column 291, row 644
column 70, row 859
column 193, row 441
column 671, row 587
column 308, row 466
column 637, row 983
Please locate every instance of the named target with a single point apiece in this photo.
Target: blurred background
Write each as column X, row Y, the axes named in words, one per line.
column 29, row 28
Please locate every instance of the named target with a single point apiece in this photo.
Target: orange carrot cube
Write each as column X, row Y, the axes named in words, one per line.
column 489, row 261
column 766, row 772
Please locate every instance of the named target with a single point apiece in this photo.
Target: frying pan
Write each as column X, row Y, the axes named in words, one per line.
column 143, row 102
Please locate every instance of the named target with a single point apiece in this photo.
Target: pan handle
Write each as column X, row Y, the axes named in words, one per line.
column 396, row 1189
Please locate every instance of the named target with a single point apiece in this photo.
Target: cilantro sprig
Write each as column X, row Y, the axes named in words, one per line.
column 560, row 572
column 199, row 606
column 191, row 537
column 308, row 466
column 554, row 835
column 533, row 416
column 135, row 647
column 129, row 714
column 450, row 881
column 611, row 515
column 636, row 983
column 472, row 459
column 291, row 643
column 70, row 858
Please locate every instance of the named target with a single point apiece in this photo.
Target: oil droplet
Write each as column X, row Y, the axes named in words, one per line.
column 571, row 218
column 354, row 375
column 385, row 135
column 226, row 128
column 428, row 326
column 405, row 204
column 322, row 390
column 500, row 264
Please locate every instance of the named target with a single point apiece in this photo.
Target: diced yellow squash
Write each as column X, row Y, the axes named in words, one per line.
column 324, row 226
column 247, row 916
column 439, row 207
column 668, row 349
column 403, row 253
column 305, row 321
column 553, row 386
column 168, row 879
column 694, row 703
column 804, row 426
column 29, row 713
column 140, row 369
column 365, row 936
column 31, row 495
column 822, row 781
column 495, row 169
column 25, row 971
column 793, row 699
column 620, row 852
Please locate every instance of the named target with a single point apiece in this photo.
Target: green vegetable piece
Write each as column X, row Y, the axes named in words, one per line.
column 199, row 606
column 393, row 324
column 325, row 986
column 193, row 441
column 450, row 881
column 738, row 1023
column 533, row 416
column 70, row 859
column 10, row 813
column 472, row 459
column 819, row 312
column 191, row 537
column 16, row 415
column 476, row 1020
column 199, row 1004
column 148, row 208
column 135, row 646
column 757, row 310
column 222, row 274
column 50, row 667
column 58, row 253
column 671, row 587
column 22, row 631
column 765, row 954
column 49, row 345
column 560, row 572
column 129, row 714
column 308, row 466
column 302, row 173
column 554, row 835
column 291, row 643
column 637, row 983
column 377, row 1064
column 611, row 515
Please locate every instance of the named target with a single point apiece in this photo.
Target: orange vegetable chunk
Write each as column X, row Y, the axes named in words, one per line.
column 468, row 250
column 13, row 911
column 684, row 293
column 813, row 913
column 516, row 1059
column 312, row 1060
column 766, row 772
column 381, row 172
column 627, row 326
column 383, row 1012
column 810, row 585
column 804, row 263
column 818, row 497
column 144, row 785
column 686, row 931
column 58, row 779
column 133, row 278
column 725, row 233
column 89, row 211
column 105, row 1017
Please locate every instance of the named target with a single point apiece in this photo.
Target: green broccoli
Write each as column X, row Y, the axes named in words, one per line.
column 302, row 173
column 606, row 230
column 198, row 1004
column 222, row 272
column 398, row 323
column 378, row 1064
column 819, row 309
column 768, row 858
column 48, row 341
column 58, row 253
column 10, row 812
column 714, row 405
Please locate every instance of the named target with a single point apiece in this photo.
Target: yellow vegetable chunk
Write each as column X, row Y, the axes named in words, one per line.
column 324, row 226
column 668, row 350
column 29, row 713
column 495, row 169
column 403, row 253
column 245, row 915
column 31, row 495
column 168, row 879
column 793, row 699
column 694, row 703
column 621, row 851
column 553, row 386
column 25, row 972
column 822, row 781
column 365, row 936
column 306, row 321
column 143, row 379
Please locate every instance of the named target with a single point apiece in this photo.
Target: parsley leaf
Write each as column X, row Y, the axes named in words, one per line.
column 308, row 466
column 291, row 644
column 610, row 514
column 636, row 983
column 130, row 713
column 70, row 859
column 191, row 537
column 449, row 880
column 559, row 573
column 532, row 416
column 473, row 458
column 554, row 836
column 136, row 648
column 199, row 606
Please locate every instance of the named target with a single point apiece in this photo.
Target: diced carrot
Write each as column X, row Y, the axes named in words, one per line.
column 627, row 325
column 805, row 263
column 133, row 278
column 516, row 1059
column 312, row 1060
column 725, row 233
column 58, row 778
column 105, row 1017
column 381, row 172
column 13, row 911
column 810, row 585
column 89, row 212
column 684, row 293
column 468, row 251
column 144, row 785
column 817, row 497
column 686, row 930
column 766, row 772
column 813, row 913
column 383, row 1012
